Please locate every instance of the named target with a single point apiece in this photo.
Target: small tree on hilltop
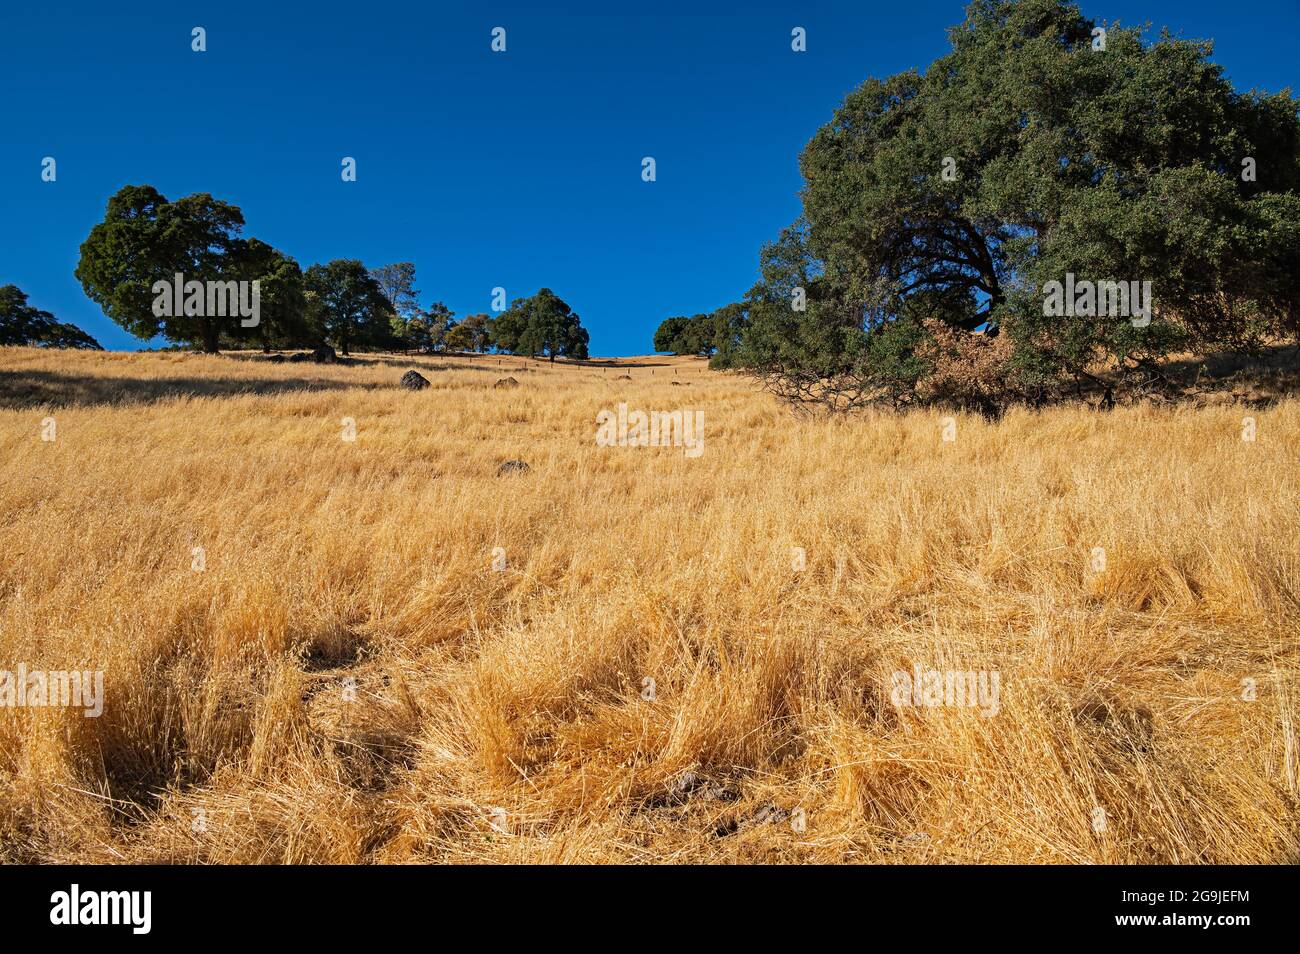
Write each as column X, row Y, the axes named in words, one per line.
column 437, row 322
column 460, row 338
column 479, row 329
column 668, row 334
column 347, row 305
column 541, row 324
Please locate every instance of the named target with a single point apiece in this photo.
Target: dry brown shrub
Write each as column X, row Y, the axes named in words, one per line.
column 969, row 371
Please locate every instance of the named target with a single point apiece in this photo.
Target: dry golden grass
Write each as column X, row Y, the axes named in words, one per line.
column 332, row 564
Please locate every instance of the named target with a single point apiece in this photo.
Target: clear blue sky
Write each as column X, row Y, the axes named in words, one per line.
column 519, row 169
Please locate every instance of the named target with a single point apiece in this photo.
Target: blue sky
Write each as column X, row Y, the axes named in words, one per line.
column 519, row 169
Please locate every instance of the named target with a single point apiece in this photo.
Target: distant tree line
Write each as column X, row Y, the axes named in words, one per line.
column 1042, row 151
column 145, row 239
column 715, row 335
column 21, row 324
column 542, row 324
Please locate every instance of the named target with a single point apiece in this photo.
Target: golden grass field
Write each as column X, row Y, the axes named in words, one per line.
column 349, row 679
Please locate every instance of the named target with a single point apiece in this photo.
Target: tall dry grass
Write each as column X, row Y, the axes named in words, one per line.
column 350, row 680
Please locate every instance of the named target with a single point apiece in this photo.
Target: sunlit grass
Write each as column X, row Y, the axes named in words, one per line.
column 349, row 679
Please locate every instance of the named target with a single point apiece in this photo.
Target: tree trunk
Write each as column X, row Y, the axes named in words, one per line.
column 209, row 330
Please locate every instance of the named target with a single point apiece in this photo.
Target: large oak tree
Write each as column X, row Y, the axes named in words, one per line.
column 143, row 239
column 1037, row 147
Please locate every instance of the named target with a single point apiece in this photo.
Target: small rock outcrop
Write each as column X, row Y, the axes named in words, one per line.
column 506, row 383
column 414, row 381
column 513, row 467
column 324, row 355
column 768, row 814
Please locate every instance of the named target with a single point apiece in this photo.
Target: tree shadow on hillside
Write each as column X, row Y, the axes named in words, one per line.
column 505, row 362
column 470, row 360
column 426, row 362
column 1272, row 364
column 401, row 362
column 623, row 363
column 21, row 389
column 257, row 357
column 508, row 361
column 1258, row 379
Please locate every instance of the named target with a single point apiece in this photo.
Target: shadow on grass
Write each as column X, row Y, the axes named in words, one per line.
column 514, row 362
column 505, row 362
column 20, row 389
column 1276, row 364
column 434, row 362
column 471, row 360
column 1258, row 379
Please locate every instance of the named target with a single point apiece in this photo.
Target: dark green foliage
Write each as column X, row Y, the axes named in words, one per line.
column 283, row 312
column 21, row 324
column 669, row 333
column 683, row 335
column 729, row 325
column 507, row 328
column 541, row 324
column 346, row 306
column 1122, row 164
column 428, row 329
column 716, row 335
column 144, row 239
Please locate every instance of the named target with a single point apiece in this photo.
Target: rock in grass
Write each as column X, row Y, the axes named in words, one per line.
column 770, row 814
column 324, row 355
column 685, row 783
column 414, row 381
column 692, row 785
column 513, row 467
column 506, row 383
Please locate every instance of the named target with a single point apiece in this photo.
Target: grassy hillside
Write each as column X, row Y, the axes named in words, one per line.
column 353, row 677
